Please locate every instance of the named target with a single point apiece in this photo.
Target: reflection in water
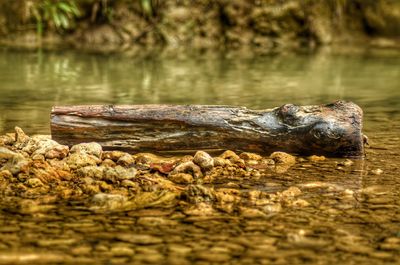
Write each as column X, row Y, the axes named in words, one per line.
column 347, row 211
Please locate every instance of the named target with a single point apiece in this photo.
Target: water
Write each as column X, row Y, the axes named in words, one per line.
column 353, row 214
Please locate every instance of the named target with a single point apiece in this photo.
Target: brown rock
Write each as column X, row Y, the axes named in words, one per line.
column 204, row 160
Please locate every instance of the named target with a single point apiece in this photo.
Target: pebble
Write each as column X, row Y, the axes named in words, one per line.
column 315, row 158
column 108, row 201
column 188, row 167
column 181, row 178
column 377, row 171
column 204, row 160
column 126, row 160
column 283, row 158
column 92, row 148
column 34, row 182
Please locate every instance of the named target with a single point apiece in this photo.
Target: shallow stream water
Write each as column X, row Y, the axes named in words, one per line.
column 353, row 216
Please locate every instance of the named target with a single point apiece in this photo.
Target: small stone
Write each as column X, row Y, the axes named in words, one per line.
column 181, row 178
column 377, row 171
column 218, row 161
column 7, row 139
column 200, row 209
column 300, row 203
column 233, row 158
column 273, row 208
column 77, row 160
column 6, row 153
column 108, row 163
column 251, row 213
column 112, row 155
column 108, row 201
column 204, row 160
column 347, row 163
column 20, row 136
column 291, row 192
column 94, row 172
column 119, row 173
column 92, row 148
column 34, row 182
column 315, row 158
column 126, row 160
column 188, row 167
column 250, row 156
column 18, row 163
column 283, row 158
column 129, row 184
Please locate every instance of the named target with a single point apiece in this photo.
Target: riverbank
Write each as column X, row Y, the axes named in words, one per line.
column 265, row 27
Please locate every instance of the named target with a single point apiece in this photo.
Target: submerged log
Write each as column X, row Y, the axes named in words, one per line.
column 332, row 129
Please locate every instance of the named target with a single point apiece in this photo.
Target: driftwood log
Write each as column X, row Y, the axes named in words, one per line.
column 332, row 129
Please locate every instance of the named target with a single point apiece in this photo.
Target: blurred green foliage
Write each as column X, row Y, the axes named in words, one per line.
column 60, row 14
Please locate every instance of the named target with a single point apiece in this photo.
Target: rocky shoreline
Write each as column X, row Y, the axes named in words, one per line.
column 38, row 167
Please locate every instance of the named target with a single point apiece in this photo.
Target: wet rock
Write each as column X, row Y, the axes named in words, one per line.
column 119, row 173
column 181, row 178
column 233, row 158
column 283, row 158
column 92, row 148
column 283, row 161
column 6, row 153
column 204, row 160
column 94, row 172
column 377, row 171
column 32, row 207
column 78, row 159
column 272, row 208
column 200, row 209
column 112, row 155
column 315, row 158
column 346, row 163
column 126, row 160
column 189, row 168
column 48, row 148
column 129, row 184
column 198, row 193
column 34, row 182
column 7, row 139
column 250, row 156
column 108, row 201
column 20, row 136
column 300, row 203
column 251, row 212
column 17, row 163
column 108, row 163
column 219, row 161
column 291, row 192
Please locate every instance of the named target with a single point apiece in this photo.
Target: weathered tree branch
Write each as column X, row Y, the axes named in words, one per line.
column 332, row 129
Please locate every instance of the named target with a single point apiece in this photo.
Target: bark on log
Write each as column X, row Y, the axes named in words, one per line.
column 332, row 129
